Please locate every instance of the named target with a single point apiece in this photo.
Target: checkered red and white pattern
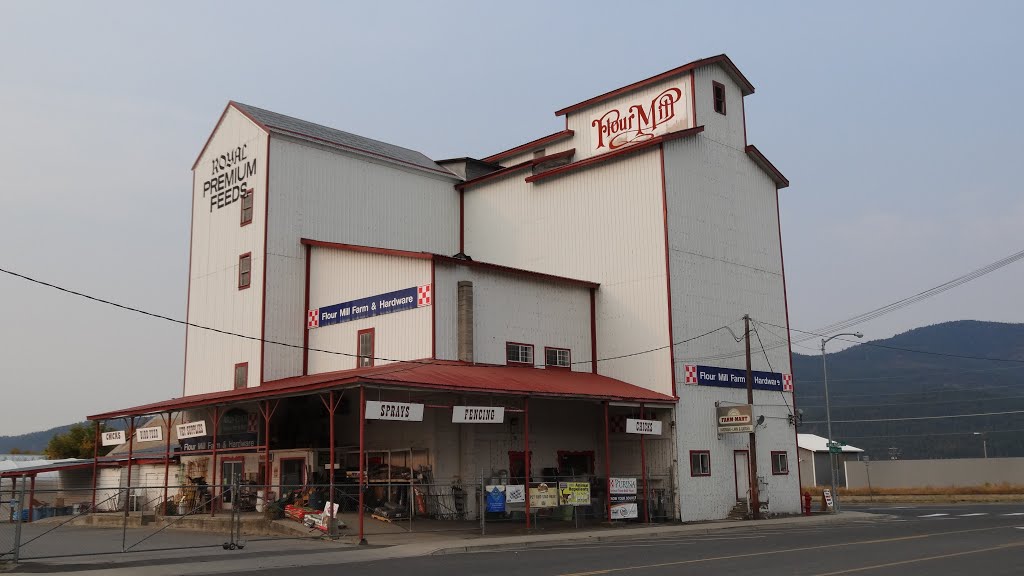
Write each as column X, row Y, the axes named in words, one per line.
column 423, row 296
column 690, row 376
column 253, row 424
column 787, row 382
column 617, row 424
column 313, row 319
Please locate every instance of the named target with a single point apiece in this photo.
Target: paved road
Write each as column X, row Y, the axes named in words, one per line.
column 933, row 540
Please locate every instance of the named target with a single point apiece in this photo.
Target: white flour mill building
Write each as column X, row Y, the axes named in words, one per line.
column 586, row 276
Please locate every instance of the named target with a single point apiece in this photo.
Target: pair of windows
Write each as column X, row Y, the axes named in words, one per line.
column 700, row 463
column 522, row 354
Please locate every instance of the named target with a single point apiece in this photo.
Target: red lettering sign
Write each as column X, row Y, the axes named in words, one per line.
column 617, row 128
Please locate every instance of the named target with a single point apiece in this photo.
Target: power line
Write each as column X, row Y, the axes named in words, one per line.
column 948, row 416
column 297, row 346
column 765, row 352
column 919, row 403
column 845, row 437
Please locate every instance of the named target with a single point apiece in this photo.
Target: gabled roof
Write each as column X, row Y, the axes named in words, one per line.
column 289, row 126
column 816, row 443
column 425, row 375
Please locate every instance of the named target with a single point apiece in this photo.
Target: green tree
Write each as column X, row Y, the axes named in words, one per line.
column 77, row 442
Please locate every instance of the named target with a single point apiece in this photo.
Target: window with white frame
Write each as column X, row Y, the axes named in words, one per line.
column 556, row 357
column 516, row 353
column 700, row 463
column 780, row 463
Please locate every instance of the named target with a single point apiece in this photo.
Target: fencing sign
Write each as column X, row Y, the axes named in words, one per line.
column 495, row 498
column 515, row 494
column 154, row 434
column 191, row 429
column 114, row 438
column 394, row 411
column 478, row 414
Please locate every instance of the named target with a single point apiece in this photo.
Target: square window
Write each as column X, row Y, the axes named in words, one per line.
column 700, row 463
column 247, row 206
column 241, row 375
column 780, row 463
column 364, row 350
column 516, row 353
column 244, row 270
column 719, row 95
column 557, row 358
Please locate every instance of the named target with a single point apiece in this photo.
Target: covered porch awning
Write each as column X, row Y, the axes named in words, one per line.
column 435, row 375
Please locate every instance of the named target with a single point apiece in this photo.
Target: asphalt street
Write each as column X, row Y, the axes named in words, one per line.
column 934, row 540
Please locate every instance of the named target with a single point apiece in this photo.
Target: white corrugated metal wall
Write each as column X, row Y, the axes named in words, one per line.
column 325, row 194
column 338, row 276
column 218, row 239
column 511, row 308
column 725, row 261
column 603, row 224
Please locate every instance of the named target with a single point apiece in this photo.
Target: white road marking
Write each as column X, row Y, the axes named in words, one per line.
column 934, row 515
column 1014, row 514
column 974, row 514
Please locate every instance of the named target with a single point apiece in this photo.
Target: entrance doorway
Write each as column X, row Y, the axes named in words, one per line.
column 742, row 474
column 231, row 470
column 292, row 474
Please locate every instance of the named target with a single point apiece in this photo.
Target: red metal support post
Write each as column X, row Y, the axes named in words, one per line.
column 213, row 460
column 332, row 407
column 607, row 462
column 526, row 456
column 131, row 448
column 643, row 470
column 95, row 461
column 167, row 460
column 362, row 458
column 267, row 412
column 31, row 497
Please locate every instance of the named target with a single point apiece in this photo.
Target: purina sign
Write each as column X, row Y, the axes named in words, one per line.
column 736, row 378
column 397, row 301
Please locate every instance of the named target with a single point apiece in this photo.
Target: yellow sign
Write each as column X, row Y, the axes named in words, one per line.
column 543, row 496
column 574, row 493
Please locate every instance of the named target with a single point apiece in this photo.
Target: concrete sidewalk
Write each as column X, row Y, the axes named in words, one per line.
column 278, row 554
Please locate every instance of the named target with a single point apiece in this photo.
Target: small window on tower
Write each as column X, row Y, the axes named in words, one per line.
column 719, row 95
column 780, row 463
column 556, row 358
column 365, row 348
column 247, row 207
column 241, row 375
column 244, row 270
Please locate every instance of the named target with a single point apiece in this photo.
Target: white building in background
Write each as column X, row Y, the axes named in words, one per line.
column 607, row 264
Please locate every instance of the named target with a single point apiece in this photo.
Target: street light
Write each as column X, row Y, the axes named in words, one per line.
column 833, row 460
column 984, row 442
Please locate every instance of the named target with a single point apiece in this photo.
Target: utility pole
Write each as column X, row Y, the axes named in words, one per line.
column 755, row 500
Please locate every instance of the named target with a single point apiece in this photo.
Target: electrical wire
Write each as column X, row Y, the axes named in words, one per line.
column 753, row 324
column 947, row 416
column 936, row 434
column 920, row 403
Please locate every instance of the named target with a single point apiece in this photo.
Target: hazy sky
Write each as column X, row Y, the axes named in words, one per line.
column 897, row 123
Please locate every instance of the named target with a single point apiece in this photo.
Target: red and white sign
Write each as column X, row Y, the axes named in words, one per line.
column 644, row 116
column 423, row 296
column 313, row 319
column 690, row 375
column 787, row 382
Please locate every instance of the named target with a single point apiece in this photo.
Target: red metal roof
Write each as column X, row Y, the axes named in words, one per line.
column 422, row 375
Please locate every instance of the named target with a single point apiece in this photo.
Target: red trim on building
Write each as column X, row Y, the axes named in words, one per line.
column 759, row 159
column 774, row 454
column 543, row 140
column 234, row 375
column 433, row 310
column 657, row 140
column 743, row 109
column 722, row 59
column 593, row 330
column 462, row 221
column 266, row 250
column 448, row 260
column 668, row 273
column 693, row 96
column 305, row 322
column 373, row 347
column 517, row 167
column 533, row 353
column 246, row 256
column 555, row 366
column 700, row 475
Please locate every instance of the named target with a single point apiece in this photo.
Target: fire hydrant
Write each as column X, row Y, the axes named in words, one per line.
column 807, row 503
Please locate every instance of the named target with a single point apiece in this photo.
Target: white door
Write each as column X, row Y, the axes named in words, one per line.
column 742, row 466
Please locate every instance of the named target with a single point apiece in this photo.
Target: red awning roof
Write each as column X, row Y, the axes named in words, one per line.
column 422, row 375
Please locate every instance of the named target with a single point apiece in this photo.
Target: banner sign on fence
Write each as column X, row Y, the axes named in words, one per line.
column 114, row 438
column 624, row 510
column 622, row 493
column 478, row 414
column 543, row 496
column 622, row 486
column 495, row 498
column 732, row 419
column 191, row 429
column 154, row 434
column 515, row 494
column 394, row 411
column 696, row 375
column 574, row 493
column 634, row 426
column 206, row 442
column 397, row 301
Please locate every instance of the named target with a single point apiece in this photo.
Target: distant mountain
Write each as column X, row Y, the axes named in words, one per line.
column 874, row 383
column 33, row 442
